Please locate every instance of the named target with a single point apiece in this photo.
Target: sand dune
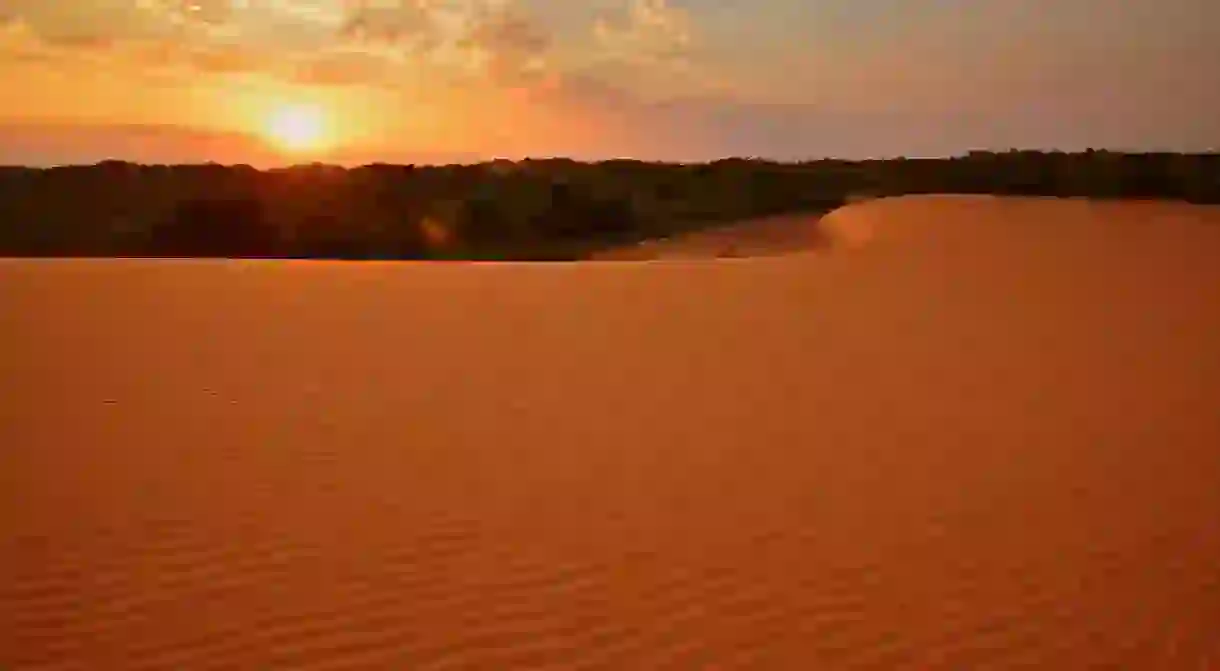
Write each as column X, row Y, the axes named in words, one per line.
column 769, row 236
column 981, row 435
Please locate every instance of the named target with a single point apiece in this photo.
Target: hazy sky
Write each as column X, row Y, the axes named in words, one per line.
column 429, row 80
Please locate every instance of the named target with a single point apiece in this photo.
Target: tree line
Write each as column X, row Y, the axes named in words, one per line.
column 547, row 209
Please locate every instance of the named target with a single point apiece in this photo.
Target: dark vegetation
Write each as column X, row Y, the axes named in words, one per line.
column 531, row 210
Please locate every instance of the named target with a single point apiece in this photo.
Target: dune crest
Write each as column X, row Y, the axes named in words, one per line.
column 770, row 236
column 985, row 439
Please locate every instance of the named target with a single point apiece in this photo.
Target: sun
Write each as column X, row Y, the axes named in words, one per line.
column 297, row 128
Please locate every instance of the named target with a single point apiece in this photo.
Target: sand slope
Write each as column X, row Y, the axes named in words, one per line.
column 767, row 236
column 984, row 436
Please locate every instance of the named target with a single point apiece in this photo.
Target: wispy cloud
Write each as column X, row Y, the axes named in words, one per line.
column 408, row 21
column 511, row 45
column 650, row 77
column 648, row 30
column 496, row 43
column 50, row 143
column 19, row 43
column 342, row 68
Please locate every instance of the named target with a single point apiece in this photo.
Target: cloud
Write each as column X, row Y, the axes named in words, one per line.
column 397, row 22
column 445, row 43
column 653, row 48
column 208, row 25
column 19, row 44
column 91, row 24
column 593, row 118
column 512, row 46
column 57, row 144
column 154, row 59
column 226, row 59
column 344, row 68
column 496, row 42
column 52, row 143
column 646, row 29
column 185, row 11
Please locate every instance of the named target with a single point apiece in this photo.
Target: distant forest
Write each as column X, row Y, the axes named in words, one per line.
column 551, row 209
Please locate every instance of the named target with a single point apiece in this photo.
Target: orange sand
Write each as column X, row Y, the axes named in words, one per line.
column 985, row 435
column 767, row 236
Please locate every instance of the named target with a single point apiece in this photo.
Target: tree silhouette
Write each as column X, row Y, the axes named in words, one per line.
column 552, row 208
column 222, row 227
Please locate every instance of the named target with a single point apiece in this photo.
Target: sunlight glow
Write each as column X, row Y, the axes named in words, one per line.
column 297, row 128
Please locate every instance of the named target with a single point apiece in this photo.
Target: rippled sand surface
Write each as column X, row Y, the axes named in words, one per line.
column 980, row 433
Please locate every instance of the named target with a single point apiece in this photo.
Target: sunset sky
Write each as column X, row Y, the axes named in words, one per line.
column 425, row 81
